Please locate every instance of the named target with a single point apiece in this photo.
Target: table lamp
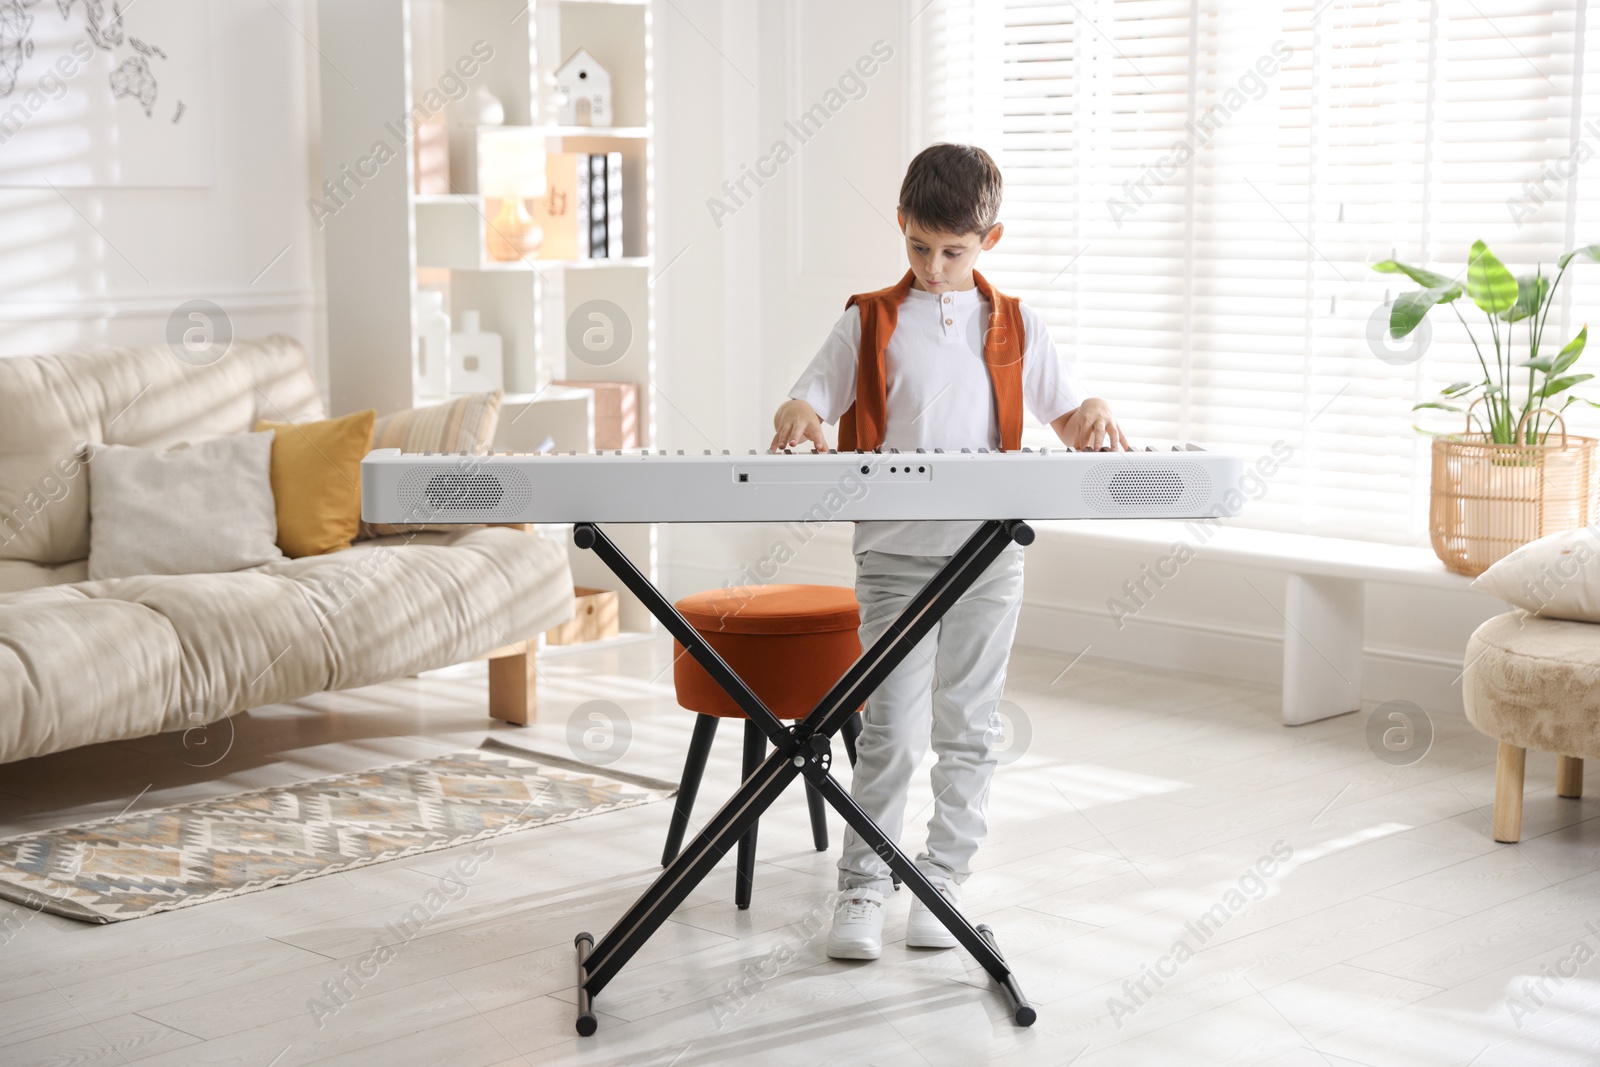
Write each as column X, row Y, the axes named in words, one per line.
column 510, row 170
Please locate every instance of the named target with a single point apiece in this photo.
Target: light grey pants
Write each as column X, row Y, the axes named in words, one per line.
column 947, row 691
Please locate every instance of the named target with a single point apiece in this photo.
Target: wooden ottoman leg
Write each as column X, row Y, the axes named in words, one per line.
column 512, row 689
column 1508, row 770
column 1569, row 777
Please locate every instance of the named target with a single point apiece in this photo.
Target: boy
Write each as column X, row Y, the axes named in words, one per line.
column 933, row 363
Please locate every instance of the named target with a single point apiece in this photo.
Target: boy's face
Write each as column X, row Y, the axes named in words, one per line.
column 943, row 261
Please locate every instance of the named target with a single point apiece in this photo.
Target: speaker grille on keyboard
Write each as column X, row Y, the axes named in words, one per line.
column 1177, row 489
column 434, row 495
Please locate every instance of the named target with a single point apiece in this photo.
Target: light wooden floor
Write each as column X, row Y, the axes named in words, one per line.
column 1395, row 934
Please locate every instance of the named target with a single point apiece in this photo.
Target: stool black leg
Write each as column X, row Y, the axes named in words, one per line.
column 694, row 768
column 819, row 818
column 851, row 730
column 755, row 750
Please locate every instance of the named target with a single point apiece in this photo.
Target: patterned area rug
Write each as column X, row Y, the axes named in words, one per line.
column 139, row 864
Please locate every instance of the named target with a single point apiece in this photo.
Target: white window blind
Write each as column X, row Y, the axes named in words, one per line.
column 1195, row 189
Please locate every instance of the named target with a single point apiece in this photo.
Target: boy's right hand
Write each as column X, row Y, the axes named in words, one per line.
column 797, row 421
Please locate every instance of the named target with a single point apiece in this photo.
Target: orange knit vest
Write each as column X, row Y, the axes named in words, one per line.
column 862, row 426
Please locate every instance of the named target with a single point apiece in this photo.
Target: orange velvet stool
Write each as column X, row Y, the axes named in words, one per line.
column 790, row 644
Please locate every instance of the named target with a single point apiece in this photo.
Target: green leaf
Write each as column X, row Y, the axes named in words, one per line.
column 1425, row 278
column 1531, row 292
column 1591, row 252
column 1569, row 355
column 1411, row 308
column 1560, row 385
column 1437, row 406
column 1457, row 388
column 1543, row 364
column 1491, row 286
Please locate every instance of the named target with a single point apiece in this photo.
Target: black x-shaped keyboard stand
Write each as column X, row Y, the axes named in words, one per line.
column 803, row 748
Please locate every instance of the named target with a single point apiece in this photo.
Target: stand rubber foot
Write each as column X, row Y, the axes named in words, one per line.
column 1022, row 1012
column 587, row 1023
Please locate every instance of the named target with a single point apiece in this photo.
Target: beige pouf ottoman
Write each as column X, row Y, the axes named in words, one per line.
column 1532, row 682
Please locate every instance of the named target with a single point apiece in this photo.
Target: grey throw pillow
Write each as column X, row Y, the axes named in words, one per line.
column 190, row 510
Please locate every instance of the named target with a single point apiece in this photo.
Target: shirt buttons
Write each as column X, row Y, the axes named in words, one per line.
column 947, row 300
column 949, row 322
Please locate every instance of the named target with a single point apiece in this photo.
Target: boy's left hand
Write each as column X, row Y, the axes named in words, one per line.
column 1090, row 427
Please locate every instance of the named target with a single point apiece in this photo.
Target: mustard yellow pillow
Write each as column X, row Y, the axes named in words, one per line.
column 316, row 481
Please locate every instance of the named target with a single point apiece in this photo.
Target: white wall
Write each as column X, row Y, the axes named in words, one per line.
column 109, row 265
column 747, row 303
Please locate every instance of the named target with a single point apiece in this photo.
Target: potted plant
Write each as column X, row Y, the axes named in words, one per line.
column 1506, row 479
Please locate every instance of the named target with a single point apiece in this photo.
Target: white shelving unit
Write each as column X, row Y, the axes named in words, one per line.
column 383, row 240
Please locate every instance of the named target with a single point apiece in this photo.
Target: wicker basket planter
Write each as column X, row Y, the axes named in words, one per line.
column 1489, row 499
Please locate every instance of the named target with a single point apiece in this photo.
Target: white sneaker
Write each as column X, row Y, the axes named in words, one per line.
column 857, row 932
column 923, row 929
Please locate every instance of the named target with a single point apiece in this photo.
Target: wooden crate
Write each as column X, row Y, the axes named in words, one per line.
column 594, row 616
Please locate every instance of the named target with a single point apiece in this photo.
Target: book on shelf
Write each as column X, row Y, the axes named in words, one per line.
column 581, row 211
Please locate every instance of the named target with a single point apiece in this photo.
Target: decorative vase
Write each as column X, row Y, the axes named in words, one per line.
column 431, row 376
column 512, row 234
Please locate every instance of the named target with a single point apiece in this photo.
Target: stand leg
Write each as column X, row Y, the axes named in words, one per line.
column 694, row 768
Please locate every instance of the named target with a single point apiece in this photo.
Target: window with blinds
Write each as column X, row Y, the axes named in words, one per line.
column 1195, row 190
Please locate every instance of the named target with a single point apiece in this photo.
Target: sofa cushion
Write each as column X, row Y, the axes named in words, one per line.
column 386, row 608
column 1535, row 683
column 195, row 510
column 75, row 669
column 465, row 424
column 145, row 397
column 19, row 574
column 316, row 481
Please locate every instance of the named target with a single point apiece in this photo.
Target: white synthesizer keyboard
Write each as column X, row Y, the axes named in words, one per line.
column 656, row 486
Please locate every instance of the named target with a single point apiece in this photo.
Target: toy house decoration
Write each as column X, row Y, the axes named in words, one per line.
column 583, row 91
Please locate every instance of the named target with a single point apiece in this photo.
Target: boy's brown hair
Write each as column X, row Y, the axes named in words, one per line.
column 953, row 188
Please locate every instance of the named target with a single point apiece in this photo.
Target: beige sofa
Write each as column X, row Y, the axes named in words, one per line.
column 83, row 662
